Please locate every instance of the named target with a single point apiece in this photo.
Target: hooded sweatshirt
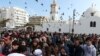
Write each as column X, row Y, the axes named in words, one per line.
column 89, row 50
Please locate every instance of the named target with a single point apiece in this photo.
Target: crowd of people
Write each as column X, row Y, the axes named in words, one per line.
column 30, row 43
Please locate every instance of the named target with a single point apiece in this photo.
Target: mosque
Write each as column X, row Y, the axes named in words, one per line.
column 88, row 23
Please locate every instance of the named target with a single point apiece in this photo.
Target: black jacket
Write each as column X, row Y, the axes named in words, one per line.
column 78, row 51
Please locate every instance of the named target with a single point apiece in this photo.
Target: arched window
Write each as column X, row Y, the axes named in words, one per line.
column 92, row 14
column 94, row 24
column 59, row 29
column 47, row 29
column 91, row 24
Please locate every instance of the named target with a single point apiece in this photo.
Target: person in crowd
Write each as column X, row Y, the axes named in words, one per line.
column 28, row 39
column 68, row 45
column 1, row 45
column 15, row 45
column 22, row 49
column 77, row 49
column 23, row 43
column 46, row 51
column 2, row 55
column 37, row 52
column 63, row 52
column 52, row 49
column 31, row 43
column 54, row 38
column 22, row 37
column 35, row 45
column 43, row 40
column 98, row 49
column 56, row 50
column 89, row 48
column 16, row 54
column 7, row 45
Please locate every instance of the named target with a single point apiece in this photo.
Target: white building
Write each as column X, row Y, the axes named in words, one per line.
column 53, row 24
column 88, row 23
column 17, row 16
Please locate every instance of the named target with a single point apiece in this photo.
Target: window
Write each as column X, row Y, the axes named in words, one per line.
column 92, row 24
column 47, row 29
column 92, row 14
column 59, row 29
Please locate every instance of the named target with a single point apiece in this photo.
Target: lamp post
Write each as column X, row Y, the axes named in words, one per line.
column 0, row 15
column 69, row 24
column 73, row 21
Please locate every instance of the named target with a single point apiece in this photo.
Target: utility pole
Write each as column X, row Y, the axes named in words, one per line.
column 73, row 21
column 69, row 24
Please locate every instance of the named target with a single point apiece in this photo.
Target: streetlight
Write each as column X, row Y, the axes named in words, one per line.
column 70, row 24
column 73, row 21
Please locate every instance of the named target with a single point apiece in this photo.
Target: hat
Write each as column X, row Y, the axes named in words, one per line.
column 38, row 52
column 15, row 54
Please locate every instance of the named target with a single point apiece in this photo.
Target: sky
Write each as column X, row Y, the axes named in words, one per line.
column 66, row 6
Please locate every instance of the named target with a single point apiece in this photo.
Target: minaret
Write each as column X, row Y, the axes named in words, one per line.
column 54, row 11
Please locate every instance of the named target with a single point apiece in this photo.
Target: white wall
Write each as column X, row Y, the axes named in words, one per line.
column 55, row 26
column 83, row 26
column 37, row 28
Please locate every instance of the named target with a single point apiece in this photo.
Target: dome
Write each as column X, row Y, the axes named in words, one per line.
column 91, row 11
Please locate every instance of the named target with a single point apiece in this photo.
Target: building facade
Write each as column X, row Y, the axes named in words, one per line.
column 37, row 20
column 17, row 16
column 53, row 23
column 89, row 23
